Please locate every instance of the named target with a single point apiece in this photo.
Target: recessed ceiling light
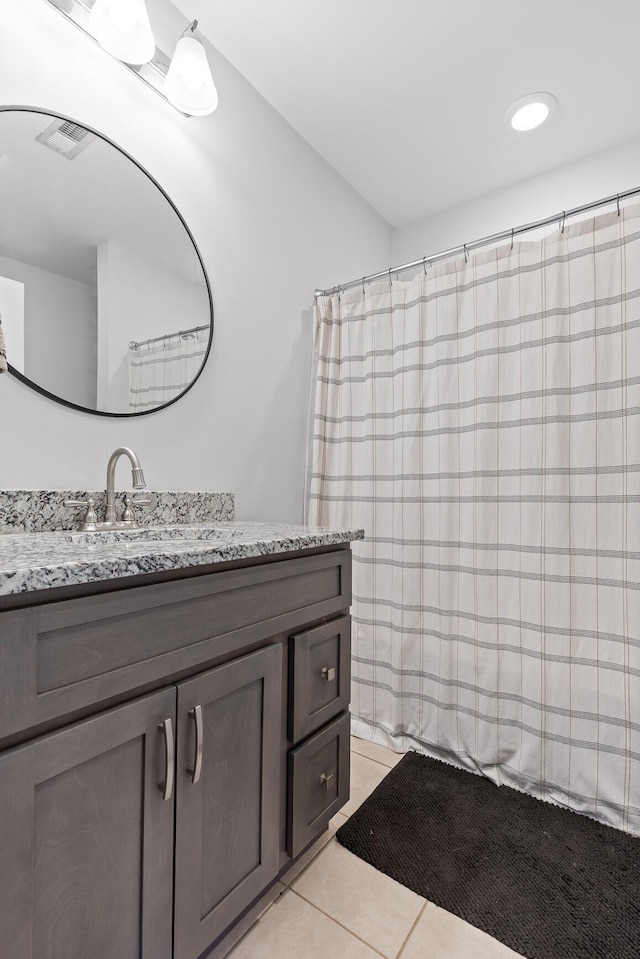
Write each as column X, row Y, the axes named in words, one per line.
column 529, row 112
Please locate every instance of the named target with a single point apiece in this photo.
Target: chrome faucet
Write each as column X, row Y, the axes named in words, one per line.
column 137, row 479
column 90, row 521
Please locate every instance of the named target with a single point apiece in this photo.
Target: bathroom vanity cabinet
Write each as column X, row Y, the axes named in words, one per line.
column 169, row 744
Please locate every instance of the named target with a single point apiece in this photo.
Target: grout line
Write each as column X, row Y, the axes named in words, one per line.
column 229, row 955
column 312, row 860
column 376, row 761
column 322, row 848
column 327, row 842
column 412, row 930
column 370, row 742
column 338, row 923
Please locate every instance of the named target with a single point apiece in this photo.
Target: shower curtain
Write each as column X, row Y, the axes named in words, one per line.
column 480, row 421
column 160, row 371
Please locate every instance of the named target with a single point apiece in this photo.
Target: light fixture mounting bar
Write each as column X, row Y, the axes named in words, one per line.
column 152, row 73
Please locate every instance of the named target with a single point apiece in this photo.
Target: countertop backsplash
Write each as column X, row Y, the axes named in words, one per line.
column 42, row 511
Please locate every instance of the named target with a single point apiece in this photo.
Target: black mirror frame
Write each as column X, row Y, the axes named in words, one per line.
column 74, row 406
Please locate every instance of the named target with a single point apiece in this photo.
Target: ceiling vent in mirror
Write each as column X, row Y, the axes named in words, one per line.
column 66, row 138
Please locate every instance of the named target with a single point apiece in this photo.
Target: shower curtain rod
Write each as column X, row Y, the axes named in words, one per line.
column 135, row 345
column 484, row 241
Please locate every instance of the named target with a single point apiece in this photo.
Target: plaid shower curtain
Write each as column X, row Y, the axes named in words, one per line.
column 160, row 371
column 481, row 422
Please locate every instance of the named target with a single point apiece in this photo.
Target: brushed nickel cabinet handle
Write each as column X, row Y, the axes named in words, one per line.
column 326, row 780
column 166, row 788
column 328, row 674
column 194, row 771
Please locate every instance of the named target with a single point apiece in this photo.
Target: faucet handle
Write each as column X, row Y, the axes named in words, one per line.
column 129, row 516
column 90, row 518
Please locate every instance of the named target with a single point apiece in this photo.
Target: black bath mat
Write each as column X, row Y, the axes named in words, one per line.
column 548, row 883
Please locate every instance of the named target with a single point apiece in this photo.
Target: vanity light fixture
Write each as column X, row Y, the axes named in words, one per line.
column 123, row 29
column 189, row 85
column 531, row 111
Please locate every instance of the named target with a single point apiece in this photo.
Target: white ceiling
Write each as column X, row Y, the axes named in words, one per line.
column 406, row 98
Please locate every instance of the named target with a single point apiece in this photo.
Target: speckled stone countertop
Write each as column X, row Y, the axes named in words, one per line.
column 34, row 561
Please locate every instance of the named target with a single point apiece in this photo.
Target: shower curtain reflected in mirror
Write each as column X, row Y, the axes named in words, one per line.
column 481, row 422
column 159, row 371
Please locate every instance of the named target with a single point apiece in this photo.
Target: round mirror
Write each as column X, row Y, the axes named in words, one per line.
column 104, row 300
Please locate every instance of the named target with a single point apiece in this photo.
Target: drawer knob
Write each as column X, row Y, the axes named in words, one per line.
column 326, row 780
column 328, row 673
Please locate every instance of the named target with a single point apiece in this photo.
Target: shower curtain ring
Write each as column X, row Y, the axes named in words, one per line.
column 390, row 280
column 363, row 290
column 424, row 265
column 512, row 231
column 618, row 203
column 466, row 254
column 564, row 217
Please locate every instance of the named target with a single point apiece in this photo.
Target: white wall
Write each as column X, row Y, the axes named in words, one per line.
column 60, row 330
column 272, row 221
column 603, row 174
column 12, row 317
column 137, row 299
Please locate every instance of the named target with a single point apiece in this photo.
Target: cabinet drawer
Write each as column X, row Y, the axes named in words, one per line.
column 72, row 655
column 319, row 670
column 318, row 782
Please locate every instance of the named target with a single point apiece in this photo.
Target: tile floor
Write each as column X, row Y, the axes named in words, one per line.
column 332, row 904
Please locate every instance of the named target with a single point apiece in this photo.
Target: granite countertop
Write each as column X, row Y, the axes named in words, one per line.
column 34, row 561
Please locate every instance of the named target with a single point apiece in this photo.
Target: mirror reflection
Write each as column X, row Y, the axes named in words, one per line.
column 103, row 298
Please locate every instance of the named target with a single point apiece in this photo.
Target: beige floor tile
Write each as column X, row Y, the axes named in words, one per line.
column 373, row 751
column 370, row 904
column 292, row 929
column 313, row 850
column 365, row 776
column 247, row 921
column 440, row 935
column 338, row 820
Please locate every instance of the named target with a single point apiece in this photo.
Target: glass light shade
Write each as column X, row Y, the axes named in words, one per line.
column 122, row 27
column 189, row 85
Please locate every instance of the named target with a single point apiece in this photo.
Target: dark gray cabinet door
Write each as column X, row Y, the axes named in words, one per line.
column 227, row 795
column 86, row 839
